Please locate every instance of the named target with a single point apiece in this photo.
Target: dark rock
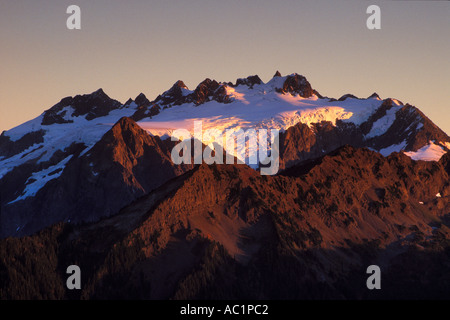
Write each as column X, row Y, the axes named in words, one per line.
column 129, row 102
column 146, row 112
column 308, row 234
column 142, row 101
column 174, row 95
column 249, row 81
column 378, row 114
column 8, row 148
column 221, row 95
column 445, row 161
column 297, row 84
column 301, row 143
column 412, row 126
column 123, row 165
column 203, row 91
column 94, row 105
column 348, row 95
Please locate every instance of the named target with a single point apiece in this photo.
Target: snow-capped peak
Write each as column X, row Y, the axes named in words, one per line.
column 280, row 103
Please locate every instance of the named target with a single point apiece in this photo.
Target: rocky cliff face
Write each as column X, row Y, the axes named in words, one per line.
column 91, row 106
column 125, row 164
column 297, row 84
column 410, row 129
column 9, row 148
column 226, row 232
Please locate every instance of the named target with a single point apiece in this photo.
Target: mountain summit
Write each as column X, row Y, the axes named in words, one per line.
column 89, row 155
column 94, row 105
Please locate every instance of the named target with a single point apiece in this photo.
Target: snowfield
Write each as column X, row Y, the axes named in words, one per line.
column 260, row 107
column 430, row 152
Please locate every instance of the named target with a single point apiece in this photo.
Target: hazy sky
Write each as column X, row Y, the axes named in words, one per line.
column 128, row 47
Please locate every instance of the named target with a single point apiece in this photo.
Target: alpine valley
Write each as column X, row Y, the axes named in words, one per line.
column 91, row 182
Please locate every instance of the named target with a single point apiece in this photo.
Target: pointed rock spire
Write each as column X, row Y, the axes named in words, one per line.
column 99, row 92
column 374, row 95
column 129, row 101
column 297, row 84
column 91, row 106
column 142, row 101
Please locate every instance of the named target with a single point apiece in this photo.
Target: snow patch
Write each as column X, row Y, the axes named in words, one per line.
column 40, row 179
column 260, row 107
column 382, row 125
column 30, row 126
column 430, row 152
column 185, row 91
column 30, row 153
column 60, row 136
column 394, row 148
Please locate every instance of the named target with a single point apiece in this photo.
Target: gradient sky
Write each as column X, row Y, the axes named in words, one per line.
column 128, row 47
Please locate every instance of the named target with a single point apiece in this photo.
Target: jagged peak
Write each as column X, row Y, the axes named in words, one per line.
column 296, row 84
column 175, row 95
column 176, row 90
column 124, row 121
column 277, row 74
column 141, row 100
column 99, row 92
column 208, row 83
column 374, row 95
column 204, row 90
column 92, row 105
column 126, row 124
column 140, row 96
column 250, row 81
column 129, row 101
column 179, row 84
column 392, row 102
column 206, row 86
column 296, row 75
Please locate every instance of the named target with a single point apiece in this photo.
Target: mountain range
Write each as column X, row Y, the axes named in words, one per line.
column 91, row 182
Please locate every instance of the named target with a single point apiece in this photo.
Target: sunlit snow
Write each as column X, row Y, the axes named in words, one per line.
column 259, row 107
column 430, row 152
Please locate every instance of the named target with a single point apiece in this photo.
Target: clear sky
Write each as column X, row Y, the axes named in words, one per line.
column 133, row 46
